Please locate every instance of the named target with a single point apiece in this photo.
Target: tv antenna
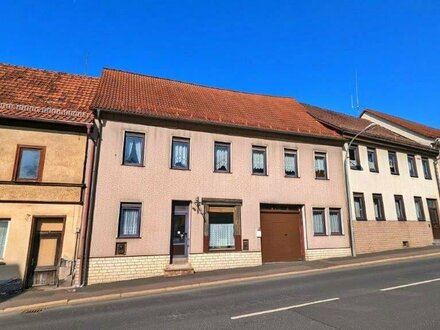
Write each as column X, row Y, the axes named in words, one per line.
column 355, row 100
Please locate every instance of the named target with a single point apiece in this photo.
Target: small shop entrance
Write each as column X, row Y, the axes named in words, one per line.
column 281, row 228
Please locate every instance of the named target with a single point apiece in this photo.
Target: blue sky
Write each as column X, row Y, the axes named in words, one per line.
column 305, row 49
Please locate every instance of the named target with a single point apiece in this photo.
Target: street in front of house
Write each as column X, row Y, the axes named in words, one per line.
column 396, row 295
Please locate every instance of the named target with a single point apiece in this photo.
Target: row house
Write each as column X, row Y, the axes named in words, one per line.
column 44, row 120
column 192, row 178
column 391, row 185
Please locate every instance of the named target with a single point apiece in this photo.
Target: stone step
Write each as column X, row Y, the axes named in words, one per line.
column 178, row 269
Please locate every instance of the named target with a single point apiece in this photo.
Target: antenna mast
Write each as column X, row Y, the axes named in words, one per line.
column 355, row 103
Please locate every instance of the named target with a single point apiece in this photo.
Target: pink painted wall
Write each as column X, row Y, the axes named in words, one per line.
column 155, row 185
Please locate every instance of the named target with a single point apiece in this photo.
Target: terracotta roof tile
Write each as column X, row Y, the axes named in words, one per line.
column 412, row 126
column 145, row 95
column 45, row 95
column 353, row 125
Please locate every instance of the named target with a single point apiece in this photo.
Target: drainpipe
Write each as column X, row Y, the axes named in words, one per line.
column 91, row 205
column 88, row 174
column 437, row 163
column 348, row 187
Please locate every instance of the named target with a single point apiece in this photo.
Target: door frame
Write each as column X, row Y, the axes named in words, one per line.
column 291, row 209
column 31, row 242
column 186, row 203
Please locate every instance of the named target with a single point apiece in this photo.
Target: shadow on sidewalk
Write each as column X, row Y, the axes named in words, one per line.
column 11, row 284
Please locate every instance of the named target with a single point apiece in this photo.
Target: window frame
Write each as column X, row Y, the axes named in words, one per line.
column 320, row 210
column 318, row 154
column 129, row 205
column 418, row 199
column 259, row 148
column 333, row 209
column 188, row 153
column 396, row 165
column 429, row 176
column 399, row 198
column 355, row 149
column 288, row 151
column 18, row 158
column 7, row 221
column 363, row 216
column 376, row 165
column 381, row 208
column 412, row 158
column 223, row 144
column 136, row 134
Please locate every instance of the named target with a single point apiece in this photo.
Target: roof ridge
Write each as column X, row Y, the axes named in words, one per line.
column 334, row 111
column 48, row 71
column 200, row 85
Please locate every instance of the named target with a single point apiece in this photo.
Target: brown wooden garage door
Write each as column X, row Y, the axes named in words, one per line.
column 281, row 236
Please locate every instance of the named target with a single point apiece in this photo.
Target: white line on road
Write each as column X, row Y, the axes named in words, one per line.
column 410, row 284
column 282, row 309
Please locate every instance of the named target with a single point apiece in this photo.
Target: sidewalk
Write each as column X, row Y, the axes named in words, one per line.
column 39, row 299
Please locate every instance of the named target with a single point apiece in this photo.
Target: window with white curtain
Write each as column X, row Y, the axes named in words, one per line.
column 134, row 149
column 412, row 165
column 320, row 165
column 259, row 160
column 290, row 163
column 419, row 208
column 426, row 169
column 222, row 157
column 372, row 160
column 400, row 208
column 130, row 220
column 221, row 231
column 180, row 154
column 335, row 222
column 3, row 234
column 319, row 221
column 359, row 206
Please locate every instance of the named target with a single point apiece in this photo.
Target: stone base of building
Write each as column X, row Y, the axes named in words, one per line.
column 224, row 260
column 376, row 236
column 318, row 254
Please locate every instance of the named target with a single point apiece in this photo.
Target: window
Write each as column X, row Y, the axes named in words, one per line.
column 29, row 165
column 419, row 209
column 134, row 149
column 412, row 166
column 221, row 231
column 359, row 206
column 259, row 161
column 400, row 208
column 372, row 160
column 335, row 222
column 392, row 160
column 222, row 158
column 319, row 222
column 426, row 168
column 180, row 154
column 290, row 163
column 355, row 163
column 433, row 212
column 130, row 220
column 378, row 207
column 320, row 165
column 3, row 232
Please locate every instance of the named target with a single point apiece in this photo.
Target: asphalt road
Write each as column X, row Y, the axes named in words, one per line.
column 346, row 299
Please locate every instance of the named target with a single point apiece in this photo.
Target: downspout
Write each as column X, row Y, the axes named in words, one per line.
column 88, row 175
column 91, row 206
column 349, row 197
column 436, row 169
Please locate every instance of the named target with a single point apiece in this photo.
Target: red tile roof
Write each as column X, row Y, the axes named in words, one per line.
column 35, row 94
column 145, row 95
column 353, row 125
column 412, row 126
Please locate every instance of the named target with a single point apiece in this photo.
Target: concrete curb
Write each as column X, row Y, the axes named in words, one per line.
column 143, row 293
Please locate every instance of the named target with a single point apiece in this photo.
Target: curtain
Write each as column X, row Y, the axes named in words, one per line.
column 290, row 164
column 221, row 235
column 320, row 164
column 133, row 150
column 419, row 210
column 357, row 208
column 3, row 231
column 398, row 210
column 130, row 222
column 335, row 222
column 376, row 209
column 318, row 223
column 371, row 162
column 180, row 154
column 221, row 159
column 258, row 160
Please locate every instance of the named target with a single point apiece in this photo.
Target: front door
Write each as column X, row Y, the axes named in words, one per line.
column 45, row 252
column 434, row 217
column 179, row 231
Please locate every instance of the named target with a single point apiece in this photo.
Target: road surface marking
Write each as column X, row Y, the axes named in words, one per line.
column 282, row 309
column 410, row 284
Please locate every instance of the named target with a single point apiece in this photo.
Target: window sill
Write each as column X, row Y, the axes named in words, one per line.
column 292, row 176
column 336, row 234
column 323, row 179
column 381, row 219
column 361, row 219
column 395, row 173
column 179, row 169
column 258, row 174
column 414, row 176
column 421, row 220
column 356, row 169
column 129, row 237
column 374, row 171
column 223, row 250
column 222, row 172
column 320, row 235
column 428, row 178
column 133, row 165
column 402, row 220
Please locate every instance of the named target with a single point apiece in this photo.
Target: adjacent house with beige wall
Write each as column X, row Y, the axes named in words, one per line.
column 44, row 119
column 192, row 178
column 391, row 182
